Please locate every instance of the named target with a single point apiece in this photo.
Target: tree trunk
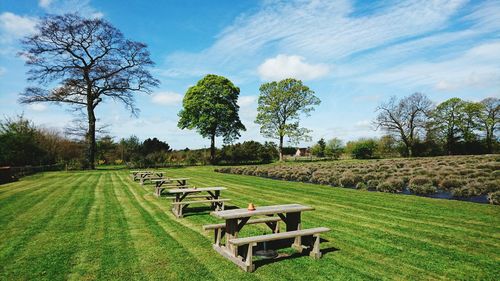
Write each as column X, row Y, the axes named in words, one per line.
column 212, row 149
column 91, row 137
column 281, row 148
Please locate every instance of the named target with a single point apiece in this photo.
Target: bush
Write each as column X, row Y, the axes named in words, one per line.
column 361, row 186
column 392, row 185
column 348, row 179
column 494, row 198
column 425, row 189
column 362, row 149
column 420, row 181
column 372, row 184
column 450, row 183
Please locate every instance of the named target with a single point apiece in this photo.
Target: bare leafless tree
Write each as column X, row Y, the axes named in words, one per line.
column 404, row 118
column 81, row 62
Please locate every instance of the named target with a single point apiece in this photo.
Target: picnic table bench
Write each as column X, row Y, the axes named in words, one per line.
column 166, row 183
column 212, row 196
column 236, row 219
column 144, row 175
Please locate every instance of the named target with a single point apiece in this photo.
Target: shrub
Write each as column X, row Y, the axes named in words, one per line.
column 463, row 192
column 494, row 198
column 425, row 189
column 391, row 185
column 372, row 184
column 361, row 186
column 348, row 179
column 369, row 176
column 420, row 180
column 450, row 183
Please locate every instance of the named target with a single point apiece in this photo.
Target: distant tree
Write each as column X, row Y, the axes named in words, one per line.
column 388, row 147
column 18, row 143
column 106, row 149
column 280, row 106
column 404, row 118
column 362, row 148
column 88, row 61
column 446, row 120
column 469, row 123
column 154, row 145
column 211, row 108
column 489, row 119
column 129, row 148
column 318, row 149
column 334, row 148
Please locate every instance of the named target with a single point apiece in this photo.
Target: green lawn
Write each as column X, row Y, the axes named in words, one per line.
column 101, row 225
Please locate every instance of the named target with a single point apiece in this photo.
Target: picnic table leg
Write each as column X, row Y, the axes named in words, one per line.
column 232, row 232
column 249, row 267
column 177, row 208
column 315, row 253
column 293, row 223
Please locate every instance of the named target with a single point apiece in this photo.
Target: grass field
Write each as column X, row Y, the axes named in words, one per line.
column 101, row 225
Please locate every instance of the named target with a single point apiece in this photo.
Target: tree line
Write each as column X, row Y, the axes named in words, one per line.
column 83, row 62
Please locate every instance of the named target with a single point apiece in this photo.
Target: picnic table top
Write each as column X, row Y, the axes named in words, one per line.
column 170, row 179
column 264, row 210
column 192, row 190
column 141, row 171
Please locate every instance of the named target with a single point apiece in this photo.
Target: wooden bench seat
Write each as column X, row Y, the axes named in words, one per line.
column 297, row 234
column 254, row 221
column 159, row 190
column 189, row 196
column 216, row 204
column 142, row 180
column 200, row 201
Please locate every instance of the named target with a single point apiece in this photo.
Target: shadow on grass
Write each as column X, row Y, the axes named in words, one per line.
column 285, row 244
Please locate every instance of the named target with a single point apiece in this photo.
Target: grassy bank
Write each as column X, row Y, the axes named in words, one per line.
column 101, row 225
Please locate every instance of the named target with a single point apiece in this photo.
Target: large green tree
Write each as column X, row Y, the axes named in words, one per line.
column 280, row 107
column 211, row 108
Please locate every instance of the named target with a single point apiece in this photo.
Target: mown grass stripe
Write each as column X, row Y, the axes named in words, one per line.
column 168, row 243
column 266, row 195
column 51, row 240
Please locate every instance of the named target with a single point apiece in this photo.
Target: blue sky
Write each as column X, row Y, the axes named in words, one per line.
column 353, row 54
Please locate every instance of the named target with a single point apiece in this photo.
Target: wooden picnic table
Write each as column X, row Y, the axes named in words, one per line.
column 143, row 175
column 165, row 183
column 236, row 219
column 151, row 177
column 212, row 196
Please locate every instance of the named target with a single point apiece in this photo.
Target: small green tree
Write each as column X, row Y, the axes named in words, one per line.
column 211, row 108
column 446, row 121
column 334, row 148
column 489, row 119
column 318, row 149
column 362, row 148
column 280, row 106
column 469, row 122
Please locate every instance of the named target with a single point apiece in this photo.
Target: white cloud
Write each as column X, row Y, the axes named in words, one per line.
column 284, row 66
column 244, row 101
column 83, row 7
column 476, row 68
column 167, row 98
column 44, row 3
column 3, row 70
column 13, row 26
column 37, row 107
column 319, row 30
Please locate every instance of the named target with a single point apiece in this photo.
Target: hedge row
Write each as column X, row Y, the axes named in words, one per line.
column 463, row 176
